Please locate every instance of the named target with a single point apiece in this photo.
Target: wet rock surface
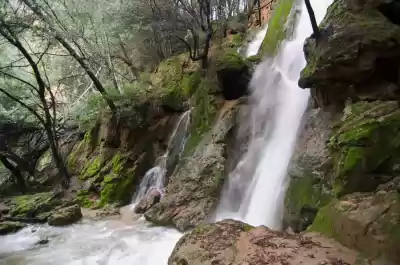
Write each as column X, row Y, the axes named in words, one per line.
column 233, row 242
column 151, row 198
column 66, row 216
column 193, row 190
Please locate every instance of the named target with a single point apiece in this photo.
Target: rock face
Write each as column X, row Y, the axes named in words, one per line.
column 193, row 190
column 8, row 227
column 233, row 73
column 364, row 221
column 365, row 146
column 309, row 187
column 116, row 153
column 233, row 243
column 357, row 56
column 151, row 198
column 66, row 216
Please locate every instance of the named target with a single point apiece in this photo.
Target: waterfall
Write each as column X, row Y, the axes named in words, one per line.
column 155, row 177
column 255, row 190
column 255, row 44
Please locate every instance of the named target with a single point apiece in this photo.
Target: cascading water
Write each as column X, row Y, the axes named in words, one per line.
column 255, row 190
column 155, row 177
column 255, row 44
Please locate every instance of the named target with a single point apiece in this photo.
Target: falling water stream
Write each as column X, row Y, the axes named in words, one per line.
column 254, row 192
column 255, row 189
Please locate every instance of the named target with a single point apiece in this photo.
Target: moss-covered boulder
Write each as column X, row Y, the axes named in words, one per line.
column 8, row 227
column 365, row 146
column 175, row 79
column 34, row 208
column 356, row 57
column 367, row 222
column 193, row 190
column 233, row 73
column 65, row 216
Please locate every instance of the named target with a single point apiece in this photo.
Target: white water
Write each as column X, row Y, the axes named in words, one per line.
column 255, row 44
column 155, row 177
column 256, row 188
column 90, row 243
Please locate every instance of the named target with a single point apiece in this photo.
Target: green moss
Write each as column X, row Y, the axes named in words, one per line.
column 92, row 168
column 32, row 206
column 8, row 227
column 365, row 141
column 116, row 189
column 276, row 27
column 84, row 200
column 254, row 59
column 305, row 191
column 202, row 115
column 238, row 39
column 324, row 222
column 230, row 59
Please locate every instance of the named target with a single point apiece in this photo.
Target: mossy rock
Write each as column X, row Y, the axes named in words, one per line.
column 276, row 32
column 36, row 207
column 366, row 222
column 357, row 55
column 8, row 227
column 233, row 73
column 365, row 146
column 304, row 196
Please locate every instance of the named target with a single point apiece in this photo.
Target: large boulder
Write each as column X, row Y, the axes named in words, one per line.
column 357, row 55
column 151, row 198
column 66, row 216
column 365, row 146
column 193, row 190
column 8, row 227
column 364, row 221
column 234, row 243
column 34, row 208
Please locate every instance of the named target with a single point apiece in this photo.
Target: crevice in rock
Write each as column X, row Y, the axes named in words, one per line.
column 391, row 11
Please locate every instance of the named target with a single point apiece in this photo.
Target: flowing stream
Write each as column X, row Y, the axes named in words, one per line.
column 254, row 192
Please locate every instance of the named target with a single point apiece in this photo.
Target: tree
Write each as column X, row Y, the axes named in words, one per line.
column 53, row 26
column 314, row 24
column 12, row 31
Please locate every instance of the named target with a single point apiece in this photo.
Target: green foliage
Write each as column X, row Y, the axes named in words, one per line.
column 231, row 60
column 276, row 27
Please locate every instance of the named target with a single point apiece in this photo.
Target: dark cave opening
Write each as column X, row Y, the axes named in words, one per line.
column 391, row 11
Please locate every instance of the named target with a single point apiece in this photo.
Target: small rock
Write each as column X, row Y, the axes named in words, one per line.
column 151, row 198
column 66, row 216
column 42, row 242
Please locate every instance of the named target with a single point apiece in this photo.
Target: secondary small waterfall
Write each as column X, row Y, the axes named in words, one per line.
column 255, row 44
column 155, row 177
column 255, row 190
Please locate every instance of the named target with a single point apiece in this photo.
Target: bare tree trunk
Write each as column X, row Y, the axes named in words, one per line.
column 314, row 24
column 19, row 179
column 127, row 59
column 35, row 9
